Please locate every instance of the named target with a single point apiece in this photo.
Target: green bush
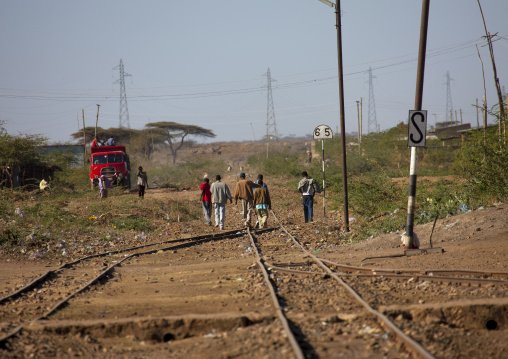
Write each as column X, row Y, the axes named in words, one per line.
column 442, row 198
column 373, row 195
column 484, row 165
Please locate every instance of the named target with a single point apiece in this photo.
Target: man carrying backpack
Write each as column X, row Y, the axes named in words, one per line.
column 308, row 187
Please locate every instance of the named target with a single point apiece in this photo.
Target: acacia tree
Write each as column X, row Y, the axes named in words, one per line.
column 175, row 134
column 122, row 135
column 144, row 142
column 18, row 152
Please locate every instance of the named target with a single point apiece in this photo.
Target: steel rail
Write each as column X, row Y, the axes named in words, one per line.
column 397, row 276
column 285, row 324
column 433, row 272
column 63, row 302
column 411, row 344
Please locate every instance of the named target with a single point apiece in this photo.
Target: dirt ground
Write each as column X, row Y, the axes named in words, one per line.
column 209, row 301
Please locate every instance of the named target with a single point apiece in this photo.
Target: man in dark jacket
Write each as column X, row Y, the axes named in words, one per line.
column 262, row 203
column 308, row 187
column 243, row 190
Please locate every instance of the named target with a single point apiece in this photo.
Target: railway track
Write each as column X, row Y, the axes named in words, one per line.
column 278, row 264
column 299, row 329
column 327, row 309
column 73, row 278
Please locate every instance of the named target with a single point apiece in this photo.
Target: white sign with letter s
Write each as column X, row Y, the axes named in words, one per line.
column 417, row 130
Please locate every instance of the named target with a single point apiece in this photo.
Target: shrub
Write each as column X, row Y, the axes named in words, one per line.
column 484, row 166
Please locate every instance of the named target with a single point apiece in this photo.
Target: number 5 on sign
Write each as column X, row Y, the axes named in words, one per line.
column 323, row 132
column 417, row 130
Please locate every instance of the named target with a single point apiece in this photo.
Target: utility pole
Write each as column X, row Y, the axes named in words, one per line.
column 97, row 120
column 477, row 112
column 460, row 110
column 359, row 128
column 418, row 106
column 489, row 37
column 84, row 137
column 361, row 118
column 124, row 111
column 338, row 25
column 435, row 119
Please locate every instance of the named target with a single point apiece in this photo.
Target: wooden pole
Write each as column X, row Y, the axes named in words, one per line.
column 489, row 37
column 84, row 138
column 484, row 107
column 97, row 120
column 477, row 112
column 323, row 161
column 359, row 128
column 338, row 24
column 418, row 106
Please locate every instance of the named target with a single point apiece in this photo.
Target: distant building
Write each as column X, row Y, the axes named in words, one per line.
column 77, row 150
column 449, row 131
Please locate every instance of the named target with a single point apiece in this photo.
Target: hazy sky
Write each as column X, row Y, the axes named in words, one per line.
column 205, row 62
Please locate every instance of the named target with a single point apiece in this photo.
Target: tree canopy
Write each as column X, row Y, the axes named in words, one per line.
column 175, row 134
column 19, row 151
column 122, row 135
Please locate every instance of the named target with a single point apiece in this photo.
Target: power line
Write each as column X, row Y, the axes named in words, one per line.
column 45, row 95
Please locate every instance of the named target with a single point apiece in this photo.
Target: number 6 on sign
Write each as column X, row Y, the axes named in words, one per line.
column 322, row 132
column 417, row 130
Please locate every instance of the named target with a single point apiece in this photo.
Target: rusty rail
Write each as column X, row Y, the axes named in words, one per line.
column 411, row 344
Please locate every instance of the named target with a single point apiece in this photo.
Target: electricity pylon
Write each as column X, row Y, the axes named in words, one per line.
column 449, row 104
column 372, row 127
column 124, row 111
column 271, row 126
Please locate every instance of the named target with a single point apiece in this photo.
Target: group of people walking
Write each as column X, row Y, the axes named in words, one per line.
column 254, row 197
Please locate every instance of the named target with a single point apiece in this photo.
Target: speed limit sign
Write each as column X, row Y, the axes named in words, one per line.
column 417, row 130
column 322, row 132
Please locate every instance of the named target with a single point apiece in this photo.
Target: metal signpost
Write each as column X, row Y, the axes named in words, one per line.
column 323, row 132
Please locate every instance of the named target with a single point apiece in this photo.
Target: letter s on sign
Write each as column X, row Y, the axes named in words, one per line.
column 417, row 116
column 417, row 128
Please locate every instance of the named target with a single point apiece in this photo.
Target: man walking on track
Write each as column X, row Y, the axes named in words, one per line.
column 206, row 200
column 243, row 190
column 220, row 194
column 262, row 203
column 308, row 187
column 261, row 182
